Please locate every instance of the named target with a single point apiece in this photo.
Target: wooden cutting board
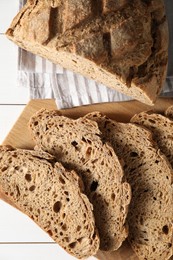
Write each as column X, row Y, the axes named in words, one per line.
column 19, row 137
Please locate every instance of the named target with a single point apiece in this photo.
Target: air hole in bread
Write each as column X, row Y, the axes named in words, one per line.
column 57, row 206
column 80, row 239
column 156, row 161
column 88, row 151
column 74, row 143
column 67, row 199
column 84, row 140
column 50, row 232
column 165, row 230
column 94, row 161
column 169, row 245
column 14, row 155
column 102, row 163
column 151, row 121
column 66, row 193
column 4, row 168
column 113, row 196
column 28, row 177
column 67, row 239
column 78, row 228
column 94, row 186
column 61, row 180
column 94, row 235
column 133, row 154
column 110, row 152
column 36, row 123
column 141, row 220
column 61, row 233
column 63, row 215
column 32, row 188
column 72, row 245
column 18, row 191
column 64, row 227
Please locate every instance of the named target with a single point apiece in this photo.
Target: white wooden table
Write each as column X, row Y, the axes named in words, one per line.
column 20, row 238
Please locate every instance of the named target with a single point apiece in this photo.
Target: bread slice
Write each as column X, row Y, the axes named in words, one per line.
column 77, row 144
column 52, row 196
column 169, row 112
column 150, row 216
column 122, row 44
column 161, row 128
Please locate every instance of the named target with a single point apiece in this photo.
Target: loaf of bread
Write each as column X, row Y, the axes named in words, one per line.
column 150, row 175
column 52, row 196
column 161, row 128
column 122, row 44
column 77, row 144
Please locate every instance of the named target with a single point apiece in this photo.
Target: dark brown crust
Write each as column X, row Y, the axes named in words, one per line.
column 128, row 43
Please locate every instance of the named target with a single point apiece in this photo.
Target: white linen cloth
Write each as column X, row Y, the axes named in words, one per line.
column 47, row 80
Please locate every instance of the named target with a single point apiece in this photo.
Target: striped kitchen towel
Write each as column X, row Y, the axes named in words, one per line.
column 47, row 80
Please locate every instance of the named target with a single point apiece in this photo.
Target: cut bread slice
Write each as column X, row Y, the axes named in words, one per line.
column 161, row 128
column 77, row 144
column 122, row 44
column 169, row 112
column 150, row 216
column 52, row 196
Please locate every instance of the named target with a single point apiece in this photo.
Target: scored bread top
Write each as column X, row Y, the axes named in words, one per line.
column 161, row 128
column 77, row 144
column 150, row 175
column 52, row 196
column 122, row 44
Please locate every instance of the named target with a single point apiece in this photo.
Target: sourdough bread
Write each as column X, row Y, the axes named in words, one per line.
column 122, row 44
column 150, row 175
column 161, row 128
column 77, row 144
column 52, row 196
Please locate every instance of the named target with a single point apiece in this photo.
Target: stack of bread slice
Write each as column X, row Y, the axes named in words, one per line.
column 113, row 179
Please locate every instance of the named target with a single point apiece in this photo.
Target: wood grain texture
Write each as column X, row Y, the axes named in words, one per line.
column 19, row 137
